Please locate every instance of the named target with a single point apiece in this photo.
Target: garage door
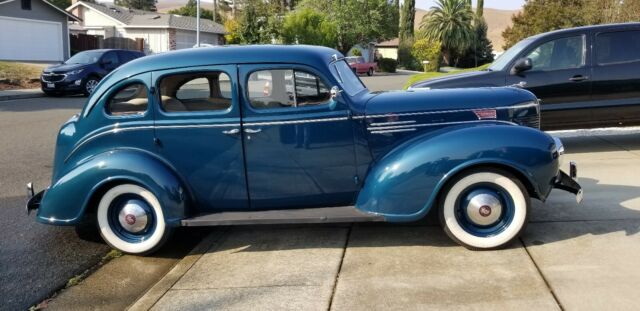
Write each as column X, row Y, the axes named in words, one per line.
column 30, row 40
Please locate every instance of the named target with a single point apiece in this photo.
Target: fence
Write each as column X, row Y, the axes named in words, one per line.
column 83, row 42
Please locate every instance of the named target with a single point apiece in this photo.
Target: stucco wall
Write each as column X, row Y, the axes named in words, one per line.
column 39, row 11
column 155, row 40
column 186, row 39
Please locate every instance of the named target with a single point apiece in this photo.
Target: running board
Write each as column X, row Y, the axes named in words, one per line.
column 284, row 216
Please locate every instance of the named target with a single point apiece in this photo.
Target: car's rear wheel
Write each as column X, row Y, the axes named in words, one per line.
column 370, row 72
column 130, row 219
column 90, row 85
column 484, row 208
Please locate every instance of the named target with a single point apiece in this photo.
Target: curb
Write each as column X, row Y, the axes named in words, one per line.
column 21, row 96
column 155, row 293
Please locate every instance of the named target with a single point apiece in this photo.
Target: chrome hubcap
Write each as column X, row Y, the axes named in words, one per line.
column 133, row 216
column 91, row 84
column 484, row 209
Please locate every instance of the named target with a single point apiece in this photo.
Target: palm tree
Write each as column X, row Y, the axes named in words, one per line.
column 450, row 22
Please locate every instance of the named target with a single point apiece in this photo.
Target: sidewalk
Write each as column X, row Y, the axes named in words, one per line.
column 20, row 94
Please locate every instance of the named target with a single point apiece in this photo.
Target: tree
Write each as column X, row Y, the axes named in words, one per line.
column 62, row 4
column 145, row 5
column 259, row 22
column 357, row 21
column 480, row 50
column 231, row 27
column 450, row 23
column 307, row 26
column 190, row 9
column 407, row 18
column 480, row 9
column 425, row 50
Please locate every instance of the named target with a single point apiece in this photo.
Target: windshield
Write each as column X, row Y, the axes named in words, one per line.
column 349, row 81
column 86, row 57
column 504, row 59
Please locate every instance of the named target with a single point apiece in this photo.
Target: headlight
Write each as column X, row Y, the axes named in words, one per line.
column 558, row 151
column 75, row 72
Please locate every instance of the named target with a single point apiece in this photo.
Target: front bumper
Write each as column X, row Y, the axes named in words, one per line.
column 61, row 86
column 568, row 182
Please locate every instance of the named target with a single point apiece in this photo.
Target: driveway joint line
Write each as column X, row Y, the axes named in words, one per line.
column 581, row 220
column 546, row 282
column 335, row 283
column 616, row 145
column 248, row 287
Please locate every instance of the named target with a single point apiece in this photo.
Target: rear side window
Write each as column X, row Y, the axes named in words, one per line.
column 285, row 88
column 618, row 47
column 130, row 100
column 202, row 91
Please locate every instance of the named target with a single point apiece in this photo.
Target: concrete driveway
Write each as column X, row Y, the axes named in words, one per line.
column 572, row 257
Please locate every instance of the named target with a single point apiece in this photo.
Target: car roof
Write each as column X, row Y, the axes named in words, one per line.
column 233, row 54
column 109, row 50
column 588, row 28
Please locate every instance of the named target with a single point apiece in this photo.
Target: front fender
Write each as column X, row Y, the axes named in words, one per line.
column 65, row 202
column 404, row 184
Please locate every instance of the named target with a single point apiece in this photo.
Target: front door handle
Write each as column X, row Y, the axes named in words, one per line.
column 231, row 131
column 578, row 78
column 252, row 131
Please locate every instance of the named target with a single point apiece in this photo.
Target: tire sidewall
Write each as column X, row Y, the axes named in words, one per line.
column 149, row 245
column 505, row 180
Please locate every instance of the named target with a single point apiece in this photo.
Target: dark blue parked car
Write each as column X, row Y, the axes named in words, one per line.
column 289, row 134
column 82, row 72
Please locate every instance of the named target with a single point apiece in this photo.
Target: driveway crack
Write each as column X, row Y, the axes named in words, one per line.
column 344, row 252
column 546, row 282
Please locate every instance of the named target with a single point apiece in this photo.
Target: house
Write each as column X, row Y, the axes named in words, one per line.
column 160, row 32
column 388, row 49
column 33, row 31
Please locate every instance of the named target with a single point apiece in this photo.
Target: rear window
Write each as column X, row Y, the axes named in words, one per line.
column 199, row 91
column 129, row 100
column 618, row 47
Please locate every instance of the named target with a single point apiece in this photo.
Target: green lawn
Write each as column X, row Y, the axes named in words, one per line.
column 431, row 75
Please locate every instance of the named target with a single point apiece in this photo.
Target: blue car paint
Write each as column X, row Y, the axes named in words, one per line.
column 340, row 160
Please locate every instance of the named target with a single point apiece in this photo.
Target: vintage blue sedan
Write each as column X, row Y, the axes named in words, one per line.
column 288, row 134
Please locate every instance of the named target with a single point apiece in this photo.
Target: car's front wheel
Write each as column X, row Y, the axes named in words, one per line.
column 90, row 85
column 370, row 72
column 484, row 208
column 130, row 219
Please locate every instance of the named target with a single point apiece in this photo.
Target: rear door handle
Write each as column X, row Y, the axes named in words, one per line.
column 578, row 78
column 231, row 131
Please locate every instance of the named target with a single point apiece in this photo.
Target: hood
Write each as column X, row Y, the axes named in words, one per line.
column 446, row 99
column 64, row 67
column 458, row 78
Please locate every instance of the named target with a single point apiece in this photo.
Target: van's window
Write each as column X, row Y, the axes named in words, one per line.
column 282, row 88
column 201, row 91
column 618, row 47
column 564, row 53
column 129, row 100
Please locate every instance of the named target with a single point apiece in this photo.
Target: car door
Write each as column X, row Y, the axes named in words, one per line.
column 110, row 61
column 197, row 129
column 299, row 148
column 560, row 77
column 616, row 77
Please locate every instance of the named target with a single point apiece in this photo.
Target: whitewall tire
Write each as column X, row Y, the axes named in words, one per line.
column 130, row 219
column 484, row 208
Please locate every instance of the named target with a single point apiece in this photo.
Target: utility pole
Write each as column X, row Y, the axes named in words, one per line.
column 198, row 23
column 215, row 11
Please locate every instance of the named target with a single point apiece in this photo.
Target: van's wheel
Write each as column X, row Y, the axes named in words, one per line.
column 130, row 219
column 370, row 72
column 484, row 208
column 90, row 85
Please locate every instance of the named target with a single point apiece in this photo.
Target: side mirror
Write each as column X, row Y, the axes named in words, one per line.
column 522, row 65
column 334, row 94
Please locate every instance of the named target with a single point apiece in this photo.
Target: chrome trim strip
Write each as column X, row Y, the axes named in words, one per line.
column 64, row 77
column 394, row 131
column 134, row 128
column 396, row 127
column 267, row 123
column 519, row 106
column 392, row 123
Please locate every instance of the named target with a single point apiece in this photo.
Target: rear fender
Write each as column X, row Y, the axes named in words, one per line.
column 404, row 184
column 65, row 202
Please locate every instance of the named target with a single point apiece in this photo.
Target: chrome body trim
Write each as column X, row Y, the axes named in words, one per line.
column 519, row 106
column 393, row 131
column 392, row 123
column 267, row 123
column 376, row 130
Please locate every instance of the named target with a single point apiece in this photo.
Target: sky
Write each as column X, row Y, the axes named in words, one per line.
column 495, row 4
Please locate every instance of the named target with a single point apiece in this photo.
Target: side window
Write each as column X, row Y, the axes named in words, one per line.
column 617, row 47
column 564, row 53
column 110, row 59
column 201, row 91
column 129, row 100
column 283, row 88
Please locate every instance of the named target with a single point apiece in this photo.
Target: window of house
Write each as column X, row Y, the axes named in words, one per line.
column 26, row 4
column 564, row 53
column 202, row 91
column 129, row 100
column 618, row 47
column 284, row 88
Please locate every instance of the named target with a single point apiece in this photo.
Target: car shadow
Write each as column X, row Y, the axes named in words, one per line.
column 75, row 102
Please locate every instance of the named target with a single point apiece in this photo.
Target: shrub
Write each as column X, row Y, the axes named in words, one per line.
column 356, row 52
column 424, row 49
column 387, row 65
